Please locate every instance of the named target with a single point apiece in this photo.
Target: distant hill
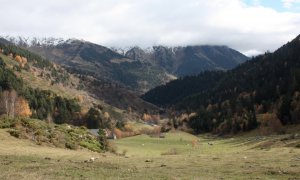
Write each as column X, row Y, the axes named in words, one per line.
column 31, row 86
column 134, row 68
column 269, row 83
column 118, row 77
column 53, row 93
column 189, row 60
column 175, row 91
column 102, row 63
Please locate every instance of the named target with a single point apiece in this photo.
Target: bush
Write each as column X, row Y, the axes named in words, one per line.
column 15, row 133
column 111, row 147
column 7, row 123
column 151, row 131
column 71, row 145
column 93, row 146
column 63, row 136
column 123, row 134
column 270, row 124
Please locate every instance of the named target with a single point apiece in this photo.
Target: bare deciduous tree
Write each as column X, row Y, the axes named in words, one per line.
column 12, row 101
column 5, row 102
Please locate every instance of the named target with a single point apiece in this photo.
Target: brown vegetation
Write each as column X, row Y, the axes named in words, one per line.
column 22, row 108
column 152, row 132
column 21, row 60
column 151, row 118
column 122, row 134
column 11, row 105
column 270, row 124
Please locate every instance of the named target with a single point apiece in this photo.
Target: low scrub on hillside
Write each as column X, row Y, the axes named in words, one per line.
column 42, row 133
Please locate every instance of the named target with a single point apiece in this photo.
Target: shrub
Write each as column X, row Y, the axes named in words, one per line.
column 7, row 123
column 112, row 148
column 93, row 146
column 270, row 124
column 151, row 131
column 71, row 145
column 63, row 136
column 122, row 134
column 15, row 133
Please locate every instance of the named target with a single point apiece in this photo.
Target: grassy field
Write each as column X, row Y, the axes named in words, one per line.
column 172, row 157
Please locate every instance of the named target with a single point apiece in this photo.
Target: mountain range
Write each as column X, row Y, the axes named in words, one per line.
column 228, row 94
column 232, row 101
column 119, row 76
column 135, row 68
column 189, row 60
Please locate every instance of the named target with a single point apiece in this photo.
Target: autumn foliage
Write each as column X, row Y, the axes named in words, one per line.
column 79, row 98
column 106, row 115
column 21, row 60
column 270, row 124
column 151, row 118
column 194, row 143
column 122, row 134
column 12, row 105
column 22, row 108
column 151, row 131
column 129, row 127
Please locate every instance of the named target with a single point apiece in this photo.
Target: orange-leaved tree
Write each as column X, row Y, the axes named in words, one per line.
column 22, row 108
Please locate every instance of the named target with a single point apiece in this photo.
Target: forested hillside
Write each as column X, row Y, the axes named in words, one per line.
column 103, row 64
column 31, row 86
column 134, row 68
column 176, row 90
column 269, row 83
column 20, row 100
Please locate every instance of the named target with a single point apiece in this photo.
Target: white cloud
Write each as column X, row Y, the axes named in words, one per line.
column 290, row 3
column 252, row 52
column 149, row 22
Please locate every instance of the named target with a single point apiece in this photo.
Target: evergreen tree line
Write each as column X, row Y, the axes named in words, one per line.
column 44, row 104
column 269, row 83
column 35, row 60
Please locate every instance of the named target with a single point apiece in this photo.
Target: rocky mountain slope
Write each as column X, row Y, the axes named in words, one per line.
column 133, row 68
column 44, row 83
column 189, row 60
column 102, row 63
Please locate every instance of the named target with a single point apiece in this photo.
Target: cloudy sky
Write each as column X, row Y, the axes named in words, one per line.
column 250, row 26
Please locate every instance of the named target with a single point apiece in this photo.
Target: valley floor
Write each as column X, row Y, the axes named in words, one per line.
column 177, row 156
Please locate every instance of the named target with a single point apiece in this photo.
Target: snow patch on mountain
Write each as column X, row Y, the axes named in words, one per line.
column 36, row 41
column 124, row 50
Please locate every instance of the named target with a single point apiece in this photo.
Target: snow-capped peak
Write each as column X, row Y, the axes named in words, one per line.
column 124, row 50
column 34, row 41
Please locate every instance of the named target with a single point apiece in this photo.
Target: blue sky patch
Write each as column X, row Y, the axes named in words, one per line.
column 277, row 5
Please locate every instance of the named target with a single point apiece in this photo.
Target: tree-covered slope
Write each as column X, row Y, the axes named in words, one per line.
column 31, row 86
column 136, row 68
column 269, row 83
column 17, row 99
column 176, row 90
column 72, row 81
column 103, row 64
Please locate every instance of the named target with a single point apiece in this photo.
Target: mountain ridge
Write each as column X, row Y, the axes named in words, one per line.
column 137, row 69
column 188, row 60
column 266, row 86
